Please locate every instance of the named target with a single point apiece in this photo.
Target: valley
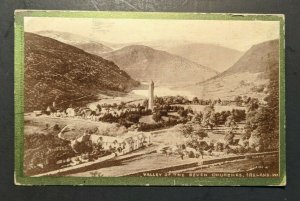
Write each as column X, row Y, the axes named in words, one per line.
column 144, row 108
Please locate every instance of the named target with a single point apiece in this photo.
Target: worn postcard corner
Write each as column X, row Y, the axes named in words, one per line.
column 283, row 181
column 20, row 12
column 116, row 98
column 16, row 182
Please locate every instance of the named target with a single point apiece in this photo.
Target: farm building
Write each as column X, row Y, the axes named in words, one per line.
column 128, row 143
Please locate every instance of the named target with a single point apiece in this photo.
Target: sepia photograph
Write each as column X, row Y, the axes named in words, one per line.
column 149, row 97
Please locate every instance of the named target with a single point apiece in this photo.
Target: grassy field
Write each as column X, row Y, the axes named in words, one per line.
column 218, row 108
column 118, row 98
column 268, row 162
column 136, row 164
column 78, row 126
column 147, row 119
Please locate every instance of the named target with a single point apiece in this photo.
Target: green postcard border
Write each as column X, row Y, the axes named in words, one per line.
column 20, row 179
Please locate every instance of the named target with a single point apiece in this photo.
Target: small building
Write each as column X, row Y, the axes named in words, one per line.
column 129, row 142
column 37, row 112
column 71, row 112
column 128, row 145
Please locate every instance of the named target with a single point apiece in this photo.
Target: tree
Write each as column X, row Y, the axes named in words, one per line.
column 219, row 146
column 230, row 122
column 191, row 130
column 255, row 141
column 145, row 103
column 263, row 119
column 229, row 137
column 186, row 129
column 59, row 153
column 108, row 117
column 194, row 134
column 198, row 117
column 199, row 132
column 252, row 105
column 212, row 120
column 195, row 100
column 238, row 100
column 159, row 101
column 263, row 128
column 182, row 112
column 219, row 118
column 133, row 117
column 156, row 117
column 238, row 115
column 222, row 117
column 122, row 104
column 99, row 107
column 209, row 119
column 272, row 110
column 85, row 146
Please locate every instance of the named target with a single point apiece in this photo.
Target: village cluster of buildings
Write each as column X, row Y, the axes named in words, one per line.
column 93, row 114
column 122, row 145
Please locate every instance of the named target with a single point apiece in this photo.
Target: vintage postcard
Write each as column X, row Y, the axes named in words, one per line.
column 126, row 98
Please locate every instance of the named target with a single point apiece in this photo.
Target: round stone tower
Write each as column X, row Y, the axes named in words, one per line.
column 151, row 96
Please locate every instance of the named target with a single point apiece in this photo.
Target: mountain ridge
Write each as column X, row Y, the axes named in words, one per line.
column 146, row 63
column 215, row 56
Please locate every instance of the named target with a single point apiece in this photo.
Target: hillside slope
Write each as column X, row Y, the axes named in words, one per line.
column 144, row 63
column 260, row 58
column 55, row 71
column 84, row 43
column 248, row 76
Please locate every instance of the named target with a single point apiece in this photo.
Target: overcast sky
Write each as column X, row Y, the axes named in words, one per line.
column 240, row 35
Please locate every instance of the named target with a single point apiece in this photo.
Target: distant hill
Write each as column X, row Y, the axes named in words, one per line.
column 85, row 43
column 55, row 71
column 144, row 63
column 214, row 56
column 248, row 76
column 260, row 58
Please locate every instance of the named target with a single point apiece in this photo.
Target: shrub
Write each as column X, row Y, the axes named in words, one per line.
column 156, row 117
column 44, row 150
column 255, row 141
column 191, row 154
column 83, row 147
column 56, row 127
column 183, row 112
column 108, row 117
column 135, row 117
column 238, row 115
column 229, row 137
column 219, row 146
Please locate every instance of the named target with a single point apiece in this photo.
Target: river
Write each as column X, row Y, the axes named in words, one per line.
column 139, row 94
column 163, row 91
